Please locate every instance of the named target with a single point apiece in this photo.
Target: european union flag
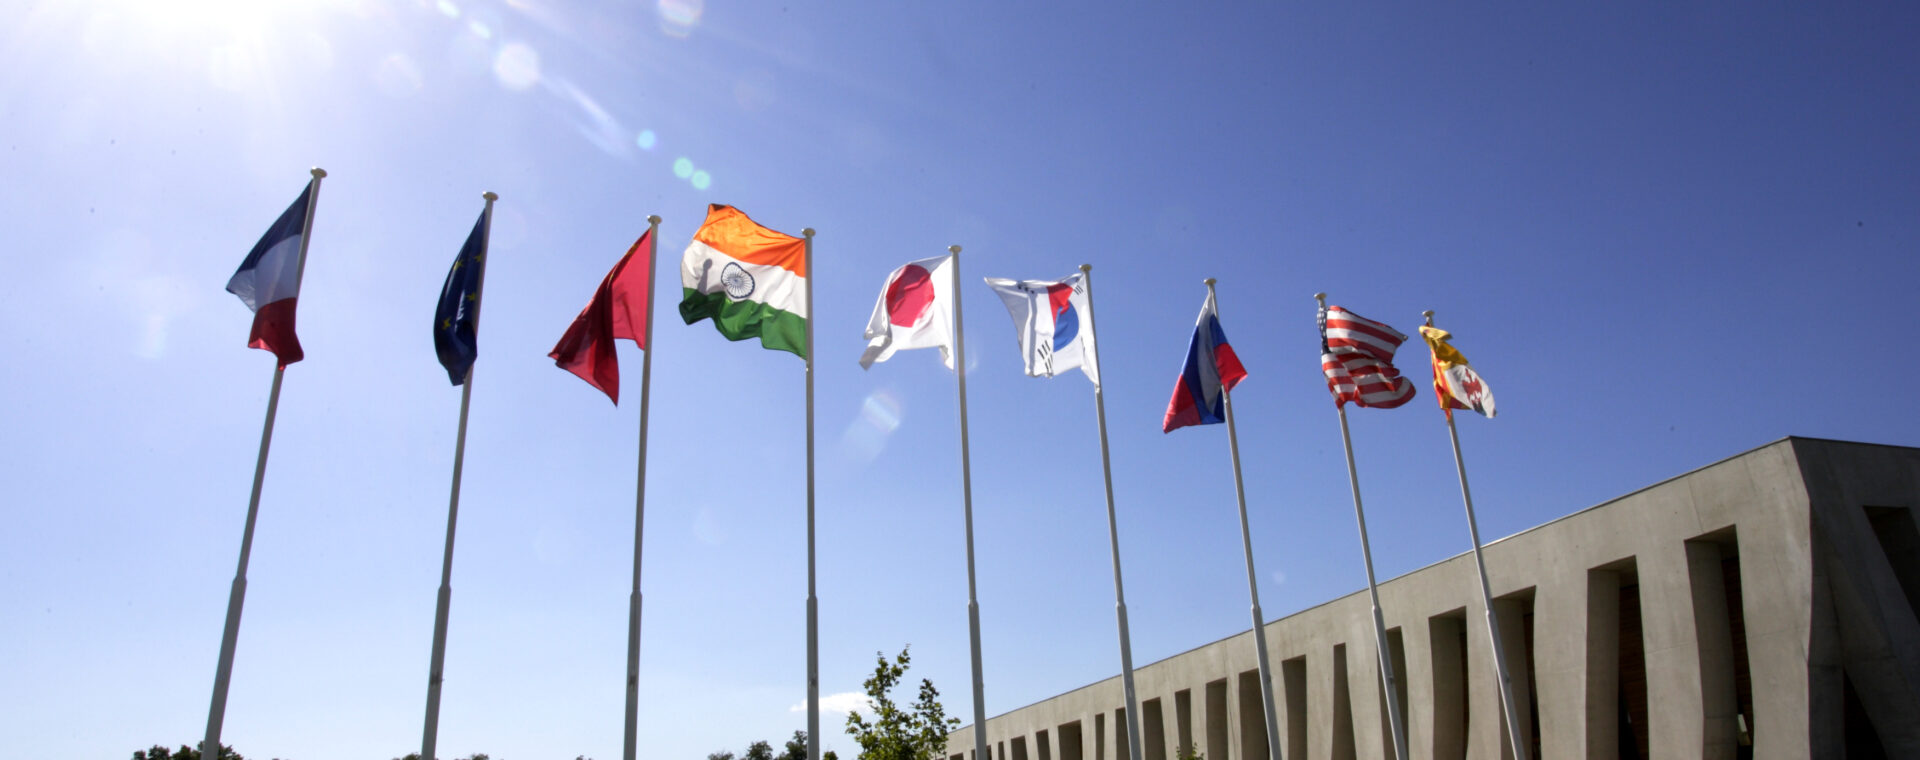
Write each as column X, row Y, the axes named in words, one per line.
column 456, row 322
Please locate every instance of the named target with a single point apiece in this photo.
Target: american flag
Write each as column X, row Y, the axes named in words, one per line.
column 1357, row 355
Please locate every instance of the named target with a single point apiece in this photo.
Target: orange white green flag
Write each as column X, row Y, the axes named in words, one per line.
column 750, row 280
column 1457, row 385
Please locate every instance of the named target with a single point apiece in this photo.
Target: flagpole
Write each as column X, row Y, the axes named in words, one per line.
column 1113, row 533
column 1246, row 542
column 966, row 499
column 1486, row 590
column 630, row 745
column 813, row 603
column 1387, row 678
column 436, row 667
column 237, row 596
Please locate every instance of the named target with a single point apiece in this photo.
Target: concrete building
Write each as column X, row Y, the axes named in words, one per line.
column 1762, row 606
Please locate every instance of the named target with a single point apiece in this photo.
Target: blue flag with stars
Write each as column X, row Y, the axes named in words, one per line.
column 456, row 322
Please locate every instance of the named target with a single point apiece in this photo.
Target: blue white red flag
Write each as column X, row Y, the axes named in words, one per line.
column 1199, row 398
column 1356, row 353
column 1055, row 324
column 268, row 282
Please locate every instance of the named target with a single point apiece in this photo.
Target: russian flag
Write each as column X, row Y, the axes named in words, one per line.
column 268, row 282
column 1199, row 398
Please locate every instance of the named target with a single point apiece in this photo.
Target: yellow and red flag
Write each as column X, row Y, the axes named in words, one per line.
column 1454, row 382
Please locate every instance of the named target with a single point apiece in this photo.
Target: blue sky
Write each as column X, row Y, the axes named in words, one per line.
column 1665, row 235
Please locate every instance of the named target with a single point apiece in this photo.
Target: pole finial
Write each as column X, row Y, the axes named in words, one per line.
column 953, row 249
column 1428, row 314
column 1210, row 282
column 808, row 232
column 490, row 196
column 653, row 219
column 317, row 172
column 1321, row 297
column 1086, row 268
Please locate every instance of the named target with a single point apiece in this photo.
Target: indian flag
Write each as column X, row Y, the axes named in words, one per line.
column 750, row 280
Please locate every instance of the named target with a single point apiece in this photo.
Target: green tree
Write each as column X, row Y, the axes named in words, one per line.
column 797, row 749
column 186, row 752
column 916, row 733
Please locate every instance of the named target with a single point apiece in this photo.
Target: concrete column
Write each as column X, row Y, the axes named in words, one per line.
column 1672, row 650
column 1372, row 735
column 1417, row 648
column 1562, row 647
column 1879, row 639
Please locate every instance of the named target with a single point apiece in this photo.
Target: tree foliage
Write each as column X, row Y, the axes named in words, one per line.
column 474, row 756
column 185, row 752
column 918, row 732
column 796, row 749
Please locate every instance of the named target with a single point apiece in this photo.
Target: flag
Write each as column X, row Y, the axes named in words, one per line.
column 1455, row 383
column 915, row 310
column 268, row 282
column 1055, row 324
column 618, row 310
column 1212, row 370
column 750, row 280
column 456, row 322
column 1357, row 355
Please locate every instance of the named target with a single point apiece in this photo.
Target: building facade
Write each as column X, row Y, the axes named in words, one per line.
column 1762, row 606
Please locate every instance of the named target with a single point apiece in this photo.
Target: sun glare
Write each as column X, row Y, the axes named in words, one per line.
column 241, row 46
column 187, row 18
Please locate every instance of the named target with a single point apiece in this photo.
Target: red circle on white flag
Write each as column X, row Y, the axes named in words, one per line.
column 909, row 297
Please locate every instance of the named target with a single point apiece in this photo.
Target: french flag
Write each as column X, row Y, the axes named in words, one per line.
column 1199, row 398
column 268, row 282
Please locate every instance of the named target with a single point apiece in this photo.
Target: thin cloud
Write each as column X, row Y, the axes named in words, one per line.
column 842, row 703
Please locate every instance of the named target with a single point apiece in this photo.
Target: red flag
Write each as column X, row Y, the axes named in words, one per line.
column 618, row 310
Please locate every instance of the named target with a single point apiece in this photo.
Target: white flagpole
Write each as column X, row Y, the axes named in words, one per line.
column 1113, row 534
column 813, row 604
column 966, row 499
column 1246, row 542
column 1387, row 679
column 1486, row 590
column 630, row 746
column 237, row 596
column 437, row 664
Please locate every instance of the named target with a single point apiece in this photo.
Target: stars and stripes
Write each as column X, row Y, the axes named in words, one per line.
column 1357, row 355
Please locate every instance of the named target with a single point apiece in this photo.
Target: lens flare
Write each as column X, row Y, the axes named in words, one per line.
column 679, row 17
column 232, row 68
column 397, row 76
column 517, row 66
column 701, row 180
column 448, row 9
column 866, row 436
column 682, row 168
column 646, row 140
column 594, row 122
